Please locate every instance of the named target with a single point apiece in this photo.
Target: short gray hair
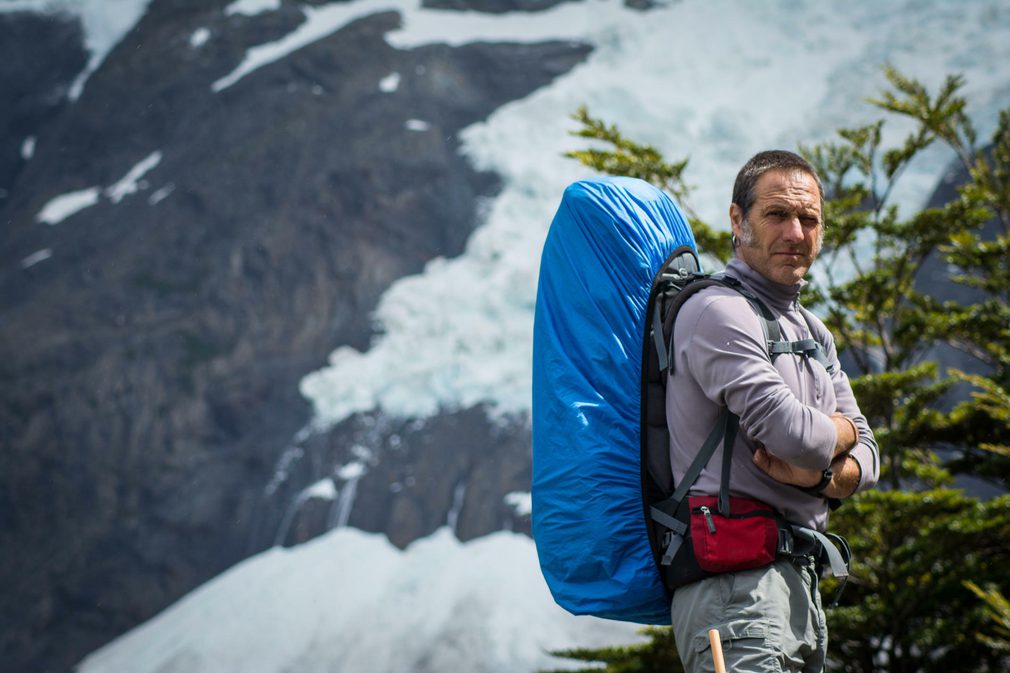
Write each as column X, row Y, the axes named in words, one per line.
column 770, row 160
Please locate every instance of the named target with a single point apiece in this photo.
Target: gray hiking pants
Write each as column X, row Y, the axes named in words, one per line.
column 770, row 620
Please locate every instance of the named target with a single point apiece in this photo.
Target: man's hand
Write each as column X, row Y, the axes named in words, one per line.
column 845, row 477
column 787, row 473
column 846, row 432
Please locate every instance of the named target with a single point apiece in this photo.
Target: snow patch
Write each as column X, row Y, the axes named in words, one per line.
column 63, row 206
column 458, row 498
column 131, row 182
column 288, row 458
column 353, row 470
column 28, row 148
column 161, row 194
column 417, row 125
column 341, row 513
column 199, row 37
column 427, row 26
column 36, row 257
column 105, row 23
column 324, row 489
column 520, row 502
column 569, row 21
column 319, row 22
column 364, row 453
column 390, row 83
column 252, row 7
column 350, row 601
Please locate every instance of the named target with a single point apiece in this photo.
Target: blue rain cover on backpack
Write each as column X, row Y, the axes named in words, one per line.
column 607, row 241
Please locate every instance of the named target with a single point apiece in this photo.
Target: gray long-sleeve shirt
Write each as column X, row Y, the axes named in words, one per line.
column 721, row 359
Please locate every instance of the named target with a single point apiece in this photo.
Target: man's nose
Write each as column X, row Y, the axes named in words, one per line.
column 793, row 229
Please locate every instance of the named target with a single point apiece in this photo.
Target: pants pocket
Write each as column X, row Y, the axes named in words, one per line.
column 745, row 646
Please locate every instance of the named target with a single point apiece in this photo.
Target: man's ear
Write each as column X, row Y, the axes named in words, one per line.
column 736, row 219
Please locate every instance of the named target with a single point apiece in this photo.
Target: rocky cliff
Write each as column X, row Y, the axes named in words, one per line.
column 151, row 343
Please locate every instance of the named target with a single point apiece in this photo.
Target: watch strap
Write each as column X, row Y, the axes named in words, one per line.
column 818, row 488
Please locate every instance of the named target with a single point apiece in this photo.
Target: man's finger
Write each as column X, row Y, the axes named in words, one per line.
column 763, row 460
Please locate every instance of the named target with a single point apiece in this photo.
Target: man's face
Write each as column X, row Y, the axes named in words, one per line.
column 781, row 235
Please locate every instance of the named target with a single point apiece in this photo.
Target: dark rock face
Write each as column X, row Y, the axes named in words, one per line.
column 150, row 366
column 408, row 478
column 934, row 279
column 39, row 58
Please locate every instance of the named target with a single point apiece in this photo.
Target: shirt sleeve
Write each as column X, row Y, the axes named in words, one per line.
column 723, row 347
column 865, row 452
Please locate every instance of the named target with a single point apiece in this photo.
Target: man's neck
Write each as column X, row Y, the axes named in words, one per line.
column 779, row 297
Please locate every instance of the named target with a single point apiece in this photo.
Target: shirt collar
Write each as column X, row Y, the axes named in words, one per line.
column 779, row 297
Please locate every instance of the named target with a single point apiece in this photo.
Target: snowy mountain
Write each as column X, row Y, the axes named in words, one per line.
column 350, row 601
column 267, row 270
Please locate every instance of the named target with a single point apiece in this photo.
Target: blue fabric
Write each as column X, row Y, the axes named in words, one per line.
column 608, row 239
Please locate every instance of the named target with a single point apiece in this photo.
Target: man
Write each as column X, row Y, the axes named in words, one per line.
column 796, row 421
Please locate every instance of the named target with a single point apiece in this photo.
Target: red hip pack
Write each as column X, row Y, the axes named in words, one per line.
column 746, row 537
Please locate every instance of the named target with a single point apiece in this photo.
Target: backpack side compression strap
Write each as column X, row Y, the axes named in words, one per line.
column 664, row 512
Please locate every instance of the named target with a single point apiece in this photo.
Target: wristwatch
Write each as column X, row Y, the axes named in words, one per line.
column 818, row 488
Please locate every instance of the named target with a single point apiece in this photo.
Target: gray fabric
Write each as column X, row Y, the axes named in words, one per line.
column 721, row 359
column 770, row 620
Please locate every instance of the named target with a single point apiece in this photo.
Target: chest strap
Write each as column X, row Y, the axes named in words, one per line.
column 810, row 348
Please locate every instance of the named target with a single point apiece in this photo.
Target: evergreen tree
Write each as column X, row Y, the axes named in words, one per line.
column 657, row 655
column 921, row 548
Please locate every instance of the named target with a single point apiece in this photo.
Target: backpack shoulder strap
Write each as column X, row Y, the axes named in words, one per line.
column 811, row 347
column 818, row 351
column 769, row 324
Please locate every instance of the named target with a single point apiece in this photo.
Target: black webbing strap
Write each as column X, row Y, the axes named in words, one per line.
column 676, row 525
column 820, row 355
column 831, row 549
column 770, row 324
column 663, row 512
column 706, row 453
column 810, row 348
column 801, row 347
column 657, row 337
column 732, row 425
column 672, row 546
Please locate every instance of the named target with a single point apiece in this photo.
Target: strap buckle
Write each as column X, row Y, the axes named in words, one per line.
column 671, row 545
column 786, row 544
column 832, row 548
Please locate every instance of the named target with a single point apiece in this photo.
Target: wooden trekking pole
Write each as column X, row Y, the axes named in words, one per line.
column 716, row 642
